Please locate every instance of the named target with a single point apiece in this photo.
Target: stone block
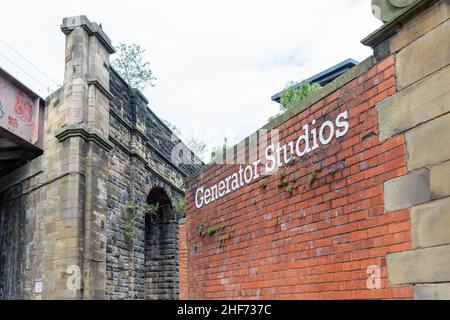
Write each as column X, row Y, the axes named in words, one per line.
column 430, row 223
column 428, row 144
column 419, row 26
column 424, row 56
column 429, row 265
column 416, row 104
column 406, row 191
column 440, row 180
column 438, row 291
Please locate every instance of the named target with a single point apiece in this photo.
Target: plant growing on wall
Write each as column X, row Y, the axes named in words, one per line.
column 132, row 213
column 151, row 209
column 219, row 152
column 130, row 219
column 293, row 96
column 180, row 207
column 132, row 67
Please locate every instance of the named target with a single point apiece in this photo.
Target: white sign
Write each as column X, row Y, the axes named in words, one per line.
column 275, row 157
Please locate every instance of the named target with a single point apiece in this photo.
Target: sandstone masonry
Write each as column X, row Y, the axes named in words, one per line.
column 63, row 216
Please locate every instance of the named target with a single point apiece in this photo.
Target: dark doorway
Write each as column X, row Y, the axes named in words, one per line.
column 161, row 249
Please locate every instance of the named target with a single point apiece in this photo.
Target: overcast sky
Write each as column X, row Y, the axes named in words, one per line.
column 217, row 63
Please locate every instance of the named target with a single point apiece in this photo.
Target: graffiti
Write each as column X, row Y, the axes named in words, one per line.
column 12, row 122
column 2, row 113
column 24, row 108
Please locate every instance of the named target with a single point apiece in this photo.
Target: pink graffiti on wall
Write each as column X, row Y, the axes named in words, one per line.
column 24, row 108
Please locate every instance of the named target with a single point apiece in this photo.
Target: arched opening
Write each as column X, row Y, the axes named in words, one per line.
column 161, row 248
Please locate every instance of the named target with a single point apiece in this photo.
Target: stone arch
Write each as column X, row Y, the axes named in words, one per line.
column 161, row 248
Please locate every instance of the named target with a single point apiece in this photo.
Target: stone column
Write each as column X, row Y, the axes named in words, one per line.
column 420, row 113
column 76, row 160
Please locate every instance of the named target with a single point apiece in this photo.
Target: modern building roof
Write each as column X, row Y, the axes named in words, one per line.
column 324, row 77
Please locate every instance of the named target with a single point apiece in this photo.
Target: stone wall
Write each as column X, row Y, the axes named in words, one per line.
column 20, row 232
column 65, row 230
column 374, row 202
column 141, row 163
column 420, row 111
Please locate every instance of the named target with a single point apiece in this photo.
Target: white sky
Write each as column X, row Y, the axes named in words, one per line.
column 217, row 63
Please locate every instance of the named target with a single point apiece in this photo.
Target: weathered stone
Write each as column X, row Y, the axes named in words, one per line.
column 424, row 56
column 419, row 26
column 428, row 265
column 428, row 144
column 430, row 223
column 416, row 104
column 438, row 291
column 440, row 180
column 406, row 191
column 386, row 10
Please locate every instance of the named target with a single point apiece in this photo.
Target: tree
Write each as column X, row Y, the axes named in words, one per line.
column 131, row 66
column 198, row 147
column 293, row 96
column 219, row 151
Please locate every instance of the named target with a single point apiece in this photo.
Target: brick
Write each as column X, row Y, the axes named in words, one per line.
column 406, row 191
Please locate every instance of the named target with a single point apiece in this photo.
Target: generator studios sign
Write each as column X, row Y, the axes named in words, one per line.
column 274, row 157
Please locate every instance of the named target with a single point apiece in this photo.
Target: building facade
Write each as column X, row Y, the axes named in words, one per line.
column 74, row 222
column 346, row 196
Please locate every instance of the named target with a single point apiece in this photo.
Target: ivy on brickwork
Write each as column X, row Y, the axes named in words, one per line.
column 204, row 231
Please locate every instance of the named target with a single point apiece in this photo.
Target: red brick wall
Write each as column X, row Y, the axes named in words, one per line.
column 182, row 256
column 317, row 242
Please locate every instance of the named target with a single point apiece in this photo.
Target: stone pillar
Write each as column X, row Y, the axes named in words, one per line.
column 420, row 112
column 76, row 160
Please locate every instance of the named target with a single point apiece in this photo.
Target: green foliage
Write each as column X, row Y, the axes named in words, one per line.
column 292, row 97
column 264, row 183
column 212, row 231
column 131, row 66
column 129, row 228
column 283, row 184
column 219, row 151
column 290, row 189
column 132, row 212
column 151, row 208
column 313, row 177
column 130, row 219
column 180, row 207
column 200, row 230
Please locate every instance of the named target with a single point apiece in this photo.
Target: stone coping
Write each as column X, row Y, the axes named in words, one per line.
column 92, row 28
column 391, row 27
